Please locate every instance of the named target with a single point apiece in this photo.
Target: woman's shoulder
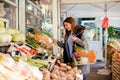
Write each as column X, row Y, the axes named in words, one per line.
column 81, row 27
column 78, row 29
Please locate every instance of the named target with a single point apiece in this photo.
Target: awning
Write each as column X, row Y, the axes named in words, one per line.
column 84, row 1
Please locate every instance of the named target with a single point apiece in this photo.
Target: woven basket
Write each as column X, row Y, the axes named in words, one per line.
column 115, row 68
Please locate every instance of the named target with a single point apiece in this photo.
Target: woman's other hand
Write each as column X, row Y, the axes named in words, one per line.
column 74, row 38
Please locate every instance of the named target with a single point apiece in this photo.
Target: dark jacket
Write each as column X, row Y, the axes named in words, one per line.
column 78, row 32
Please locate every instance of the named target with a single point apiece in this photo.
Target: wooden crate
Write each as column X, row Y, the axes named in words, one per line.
column 115, row 68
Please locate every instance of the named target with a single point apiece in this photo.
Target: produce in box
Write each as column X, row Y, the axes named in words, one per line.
column 80, row 51
column 81, row 57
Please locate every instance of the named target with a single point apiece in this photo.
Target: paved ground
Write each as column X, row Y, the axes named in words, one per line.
column 93, row 72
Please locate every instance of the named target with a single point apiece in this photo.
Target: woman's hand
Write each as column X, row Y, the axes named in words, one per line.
column 74, row 38
column 54, row 40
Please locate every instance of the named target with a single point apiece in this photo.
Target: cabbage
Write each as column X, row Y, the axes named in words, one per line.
column 16, row 31
column 23, row 38
column 5, row 38
column 12, row 31
column 84, row 60
column 2, row 30
column 18, row 37
column 1, row 23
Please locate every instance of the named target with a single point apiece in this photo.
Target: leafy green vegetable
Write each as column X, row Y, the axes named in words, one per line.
column 18, row 37
column 31, row 42
column 111, row 31
column 11, row 31
column 33, row 62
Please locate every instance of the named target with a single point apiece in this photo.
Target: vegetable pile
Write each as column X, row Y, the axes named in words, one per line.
column 20, row 70
column 41, row 64
column 62, row 72
column 37, row 41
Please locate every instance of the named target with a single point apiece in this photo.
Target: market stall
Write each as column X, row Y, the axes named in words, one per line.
column 26, row 38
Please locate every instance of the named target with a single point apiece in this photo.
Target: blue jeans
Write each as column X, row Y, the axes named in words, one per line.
column 84, row 77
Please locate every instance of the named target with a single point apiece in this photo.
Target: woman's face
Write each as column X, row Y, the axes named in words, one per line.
column 67, row 26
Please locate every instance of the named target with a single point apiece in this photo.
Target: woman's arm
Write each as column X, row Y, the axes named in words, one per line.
column 82, row 42
column 61, row 44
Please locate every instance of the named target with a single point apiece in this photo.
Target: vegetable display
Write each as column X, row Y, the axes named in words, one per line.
column 62, row 71
column 8, row 35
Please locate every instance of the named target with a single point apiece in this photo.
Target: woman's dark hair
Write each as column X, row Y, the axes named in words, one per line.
column 72, row 22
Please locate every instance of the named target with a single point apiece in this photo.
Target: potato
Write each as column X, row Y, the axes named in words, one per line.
column 54, row 79
column 53, row 76
column 70, row 72
column 63, row 78
column 58, row 77
column 79, row 71
column 75, row 69
column 69, row 67
column 78, row 79
column 55, row 71
column 56, row 67
column 63, row 65
column 62, row 74
column 63, row 69
column 69, row 77
column 46, row 75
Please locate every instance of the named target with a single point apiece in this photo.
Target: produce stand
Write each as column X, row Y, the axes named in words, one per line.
column 34, row 50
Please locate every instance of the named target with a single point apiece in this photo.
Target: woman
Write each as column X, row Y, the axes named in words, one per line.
column 73, row 36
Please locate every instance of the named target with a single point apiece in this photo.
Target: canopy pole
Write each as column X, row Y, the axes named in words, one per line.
column 105, row 10
column 105, row 71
